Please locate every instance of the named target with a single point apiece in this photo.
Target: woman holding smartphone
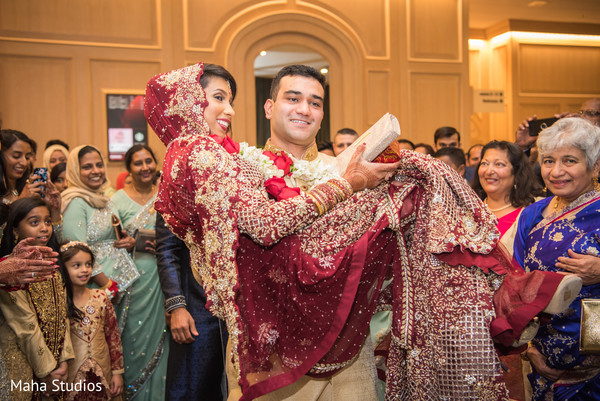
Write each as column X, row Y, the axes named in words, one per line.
column 17, row 152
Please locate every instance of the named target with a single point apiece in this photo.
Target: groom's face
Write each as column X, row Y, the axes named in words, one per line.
column 297, row 110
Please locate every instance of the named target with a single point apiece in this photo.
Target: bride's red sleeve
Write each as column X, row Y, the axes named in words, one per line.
column 202, row 182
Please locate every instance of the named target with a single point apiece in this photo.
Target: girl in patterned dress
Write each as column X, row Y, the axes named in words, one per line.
column 97, row 370
column 34, row 322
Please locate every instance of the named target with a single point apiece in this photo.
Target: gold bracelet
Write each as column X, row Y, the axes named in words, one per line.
column 107, row 285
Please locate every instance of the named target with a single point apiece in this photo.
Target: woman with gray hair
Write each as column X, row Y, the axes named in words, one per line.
column 553, row 232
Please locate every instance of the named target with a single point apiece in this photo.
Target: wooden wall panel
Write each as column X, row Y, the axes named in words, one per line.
column 378, row 95
column 559, row 69
column 37, row 97
column 435, row 30
column 475, row 69
column 115, row 76
column 204, row 18
column 132, row 22
column 541, row 108
column 368, row 19
column 500, row 78
column 434, row 102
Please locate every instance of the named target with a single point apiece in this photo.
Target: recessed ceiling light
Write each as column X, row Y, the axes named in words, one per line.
column 537, row 3
column 324, row 70
column 263, row 53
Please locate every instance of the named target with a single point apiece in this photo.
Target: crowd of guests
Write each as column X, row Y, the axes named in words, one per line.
column 85, row 267
column 96, row 329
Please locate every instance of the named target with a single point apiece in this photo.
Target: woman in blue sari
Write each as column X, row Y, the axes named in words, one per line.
column 548, row 230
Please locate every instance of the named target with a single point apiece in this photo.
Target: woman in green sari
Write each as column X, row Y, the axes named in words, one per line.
column 142, row 318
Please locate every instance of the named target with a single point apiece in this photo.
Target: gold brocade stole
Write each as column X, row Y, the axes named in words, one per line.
column 49, row 300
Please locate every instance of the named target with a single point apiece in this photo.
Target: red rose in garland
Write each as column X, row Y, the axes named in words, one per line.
column 282, row 161
column 229, row 144
column 277, row 188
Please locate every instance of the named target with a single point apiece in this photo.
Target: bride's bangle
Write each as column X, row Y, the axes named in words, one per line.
column 326, row 196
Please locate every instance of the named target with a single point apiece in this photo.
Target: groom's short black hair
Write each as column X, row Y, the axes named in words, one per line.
column 295, row 70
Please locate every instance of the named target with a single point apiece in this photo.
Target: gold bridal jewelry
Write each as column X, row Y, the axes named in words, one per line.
column 499, row 209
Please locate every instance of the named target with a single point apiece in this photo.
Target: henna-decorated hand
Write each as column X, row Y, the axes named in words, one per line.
column 53, row 198
column 24, row 250
column 27, row 265
column 362, row 174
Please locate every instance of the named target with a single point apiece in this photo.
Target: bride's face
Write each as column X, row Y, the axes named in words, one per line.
column 219, row 112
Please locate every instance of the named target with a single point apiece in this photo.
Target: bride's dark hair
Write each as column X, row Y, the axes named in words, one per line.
column 214, row 70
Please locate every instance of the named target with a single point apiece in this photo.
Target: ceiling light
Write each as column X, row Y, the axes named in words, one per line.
column 475, row 44
column 544, row 36
column 537, row 3
column 324, row 70
column 263, row 53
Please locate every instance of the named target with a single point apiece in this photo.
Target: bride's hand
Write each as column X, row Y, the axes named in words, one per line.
column 362, row 174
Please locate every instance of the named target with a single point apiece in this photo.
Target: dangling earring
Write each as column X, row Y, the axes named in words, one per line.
column 596, row 184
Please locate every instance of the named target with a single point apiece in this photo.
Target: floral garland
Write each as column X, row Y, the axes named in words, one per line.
column 276, row 166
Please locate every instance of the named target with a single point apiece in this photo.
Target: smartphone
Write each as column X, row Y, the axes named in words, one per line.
column 536, row 126
column 42, row 173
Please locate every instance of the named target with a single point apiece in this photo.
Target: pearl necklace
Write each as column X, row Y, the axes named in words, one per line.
column 499, row 209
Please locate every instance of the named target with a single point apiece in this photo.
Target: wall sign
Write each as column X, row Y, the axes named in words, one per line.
column 488, row 101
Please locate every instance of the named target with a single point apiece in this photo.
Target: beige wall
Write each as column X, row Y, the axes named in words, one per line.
column 59, row 58
column 540, row 75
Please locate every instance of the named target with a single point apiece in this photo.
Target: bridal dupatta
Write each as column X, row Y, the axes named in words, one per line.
column 297, row 291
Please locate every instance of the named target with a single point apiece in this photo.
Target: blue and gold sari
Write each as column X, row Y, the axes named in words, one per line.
column 540, row 241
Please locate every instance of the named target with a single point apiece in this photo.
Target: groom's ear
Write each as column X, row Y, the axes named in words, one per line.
column 269, row 108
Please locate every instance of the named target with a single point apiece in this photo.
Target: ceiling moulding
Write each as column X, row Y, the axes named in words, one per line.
column 477, row 33
column 519, row 25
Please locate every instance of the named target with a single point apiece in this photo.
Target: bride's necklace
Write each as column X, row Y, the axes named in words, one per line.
column 498, row 209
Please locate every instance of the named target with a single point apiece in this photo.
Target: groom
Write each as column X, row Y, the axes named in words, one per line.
column 295, row 110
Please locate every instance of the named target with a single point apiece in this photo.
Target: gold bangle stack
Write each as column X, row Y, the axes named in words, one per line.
column 326, row 196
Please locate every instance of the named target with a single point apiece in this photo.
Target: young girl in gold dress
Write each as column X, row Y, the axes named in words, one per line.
column 97, row 371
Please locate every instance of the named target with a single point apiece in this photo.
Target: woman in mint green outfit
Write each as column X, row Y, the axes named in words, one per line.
column 142, row 318
column 87, row 213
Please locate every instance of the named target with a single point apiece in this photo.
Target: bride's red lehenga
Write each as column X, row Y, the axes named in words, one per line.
column 298, row 291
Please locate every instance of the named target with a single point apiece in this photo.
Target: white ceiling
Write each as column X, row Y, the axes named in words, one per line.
column 482, row 14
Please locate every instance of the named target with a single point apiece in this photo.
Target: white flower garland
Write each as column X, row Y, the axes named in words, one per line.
column 311, row 172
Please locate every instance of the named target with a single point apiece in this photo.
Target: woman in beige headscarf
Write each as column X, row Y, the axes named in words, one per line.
column 89, row 215
column 53, row 155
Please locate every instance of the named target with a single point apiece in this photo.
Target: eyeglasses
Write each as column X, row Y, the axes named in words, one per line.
column 590, row 113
